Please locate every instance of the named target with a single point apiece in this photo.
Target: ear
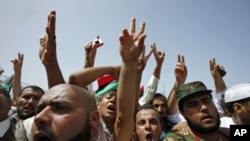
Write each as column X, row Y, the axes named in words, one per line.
column 98, row 104
column 238, row 108
column 94, row 119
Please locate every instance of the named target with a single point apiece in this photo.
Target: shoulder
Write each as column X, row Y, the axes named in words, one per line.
column 177, row 136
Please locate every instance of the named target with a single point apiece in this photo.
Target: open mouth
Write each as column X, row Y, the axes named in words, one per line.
column 111, row 108
column 39, row 136
column 43, row 139
column 149, row 137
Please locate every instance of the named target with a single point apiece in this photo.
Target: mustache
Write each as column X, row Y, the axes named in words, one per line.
column 44, row 130
column 206, row 116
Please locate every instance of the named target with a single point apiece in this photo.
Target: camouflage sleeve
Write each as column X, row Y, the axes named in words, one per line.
column 175, row 136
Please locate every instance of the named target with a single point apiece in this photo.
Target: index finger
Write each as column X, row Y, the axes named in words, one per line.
column 132, row 25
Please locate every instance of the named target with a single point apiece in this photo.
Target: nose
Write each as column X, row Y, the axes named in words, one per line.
column 203, row 108
column 43, row 118
column 147, row 126
column 32, row 101
column 113, row 99
column 160, row 109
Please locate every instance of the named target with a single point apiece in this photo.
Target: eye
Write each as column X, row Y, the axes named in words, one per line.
column 156, row 106
column 37, row 98
column 26, row 97
column 108, row 96
column 61, row 109
column 141, row 122
column 192, row 104
column 207, row 100
column 154, row 121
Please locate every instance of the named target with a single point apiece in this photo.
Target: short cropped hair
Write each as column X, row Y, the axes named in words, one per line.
column 34, row 87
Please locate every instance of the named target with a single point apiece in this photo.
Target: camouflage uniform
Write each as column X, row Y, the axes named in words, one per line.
column 183, row 92
column 176, row 136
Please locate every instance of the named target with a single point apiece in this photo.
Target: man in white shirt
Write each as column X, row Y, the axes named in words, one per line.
column 237, row 100
column 5, row 126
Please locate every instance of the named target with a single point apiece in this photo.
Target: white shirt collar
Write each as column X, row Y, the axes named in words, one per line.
column 4, row 126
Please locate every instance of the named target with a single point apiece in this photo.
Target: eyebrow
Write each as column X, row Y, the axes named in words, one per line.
column 53, row 102
column 60, row 101
column 200, row 99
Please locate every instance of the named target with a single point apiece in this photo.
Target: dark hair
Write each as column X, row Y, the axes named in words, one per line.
column 5, row 93
column 34, row 87
column 158, row 95
column 145, row 107
column 229, row 105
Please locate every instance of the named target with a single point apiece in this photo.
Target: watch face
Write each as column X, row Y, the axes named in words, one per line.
column 222, row 72
column 97, row 41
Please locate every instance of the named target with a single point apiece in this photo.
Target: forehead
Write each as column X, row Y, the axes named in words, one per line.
column 146, row 114
column 110, row 93
column 31, row 91
column 65, row 94
column 159, row 100
column 195, row 97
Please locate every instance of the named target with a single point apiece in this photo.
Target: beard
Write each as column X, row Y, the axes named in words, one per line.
column 203, row 130
column 24, row 116
column 85, row 134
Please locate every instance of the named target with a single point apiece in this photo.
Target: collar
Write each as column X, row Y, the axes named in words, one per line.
column 15, row 117
column 4, row 126
column 106, row 130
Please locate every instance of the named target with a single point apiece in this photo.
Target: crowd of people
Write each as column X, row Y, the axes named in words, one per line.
column 119, row 110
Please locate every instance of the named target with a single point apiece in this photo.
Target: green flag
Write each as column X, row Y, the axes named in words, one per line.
column 7, row 83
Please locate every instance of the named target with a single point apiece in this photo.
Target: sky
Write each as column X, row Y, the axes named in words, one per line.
column 198, row 29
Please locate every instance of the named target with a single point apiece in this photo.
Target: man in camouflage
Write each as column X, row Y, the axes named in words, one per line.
column 196, row 105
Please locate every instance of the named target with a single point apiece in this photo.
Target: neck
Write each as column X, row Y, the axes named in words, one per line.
column 109, row 124
column 215, row 136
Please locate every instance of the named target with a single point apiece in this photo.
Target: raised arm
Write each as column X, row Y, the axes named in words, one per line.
column 77, row 77
column 219, row 84
column 131, row 46
column 47, row 53
column 180, row 77
column 154, row 80
column 142, row 62
column 17, row 66
column 88, row 75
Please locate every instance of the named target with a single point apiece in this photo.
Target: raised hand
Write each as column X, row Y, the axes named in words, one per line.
column 180, row 70
column 214, row 68
column 219, row 83
column 18, row 63
column 131, row 47
column 90, row 53
column 159, row 55
column 143, row 59
column 17, row 66
column 47, row 51
column 131, row 43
